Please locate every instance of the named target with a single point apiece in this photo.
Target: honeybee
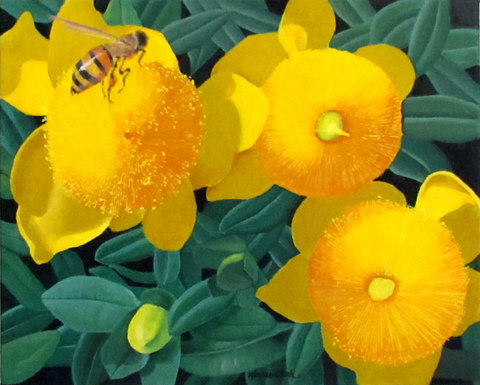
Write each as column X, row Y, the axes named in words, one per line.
column 95, row 65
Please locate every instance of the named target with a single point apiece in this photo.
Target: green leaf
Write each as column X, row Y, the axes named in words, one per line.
column 353, row 12
column 284, row 250
column 259, row 214
column 118, row 357
column 206, row 228
column 429, row 34
column 65, row 350
column 136, row 276
column 127, row 247
column 219, row 358
column 89, row 304
column 252, row 17
column 459, row 365
column 218, row 209
column 346, row 376
column 449, row 79
column 12, row 240
column 462, row 47
column 25, row 356
column 108, row 274
column 20, row 281
column 5, row 192
column 190, row 33
column 159, row 297
column 21, row 321
column 441, row 118
column 166, row 266
column 199, row 56
column 16, row 126
column 40, row 9
column 237, row 272
column 211, row 254
column 195, row 307
column 393, row 24
column 471, row 338
column 304, row 347
column 6, row 162
column 67, row 264
column 87, row 367
column 351, row 39
column 121, row 12
column 157, row 14
column 236, row 323
column 263, row 242
column 162, row 367
column 418, row 159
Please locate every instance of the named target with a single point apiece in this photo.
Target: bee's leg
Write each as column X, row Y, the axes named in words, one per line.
column 140, row 57
column 124, row 72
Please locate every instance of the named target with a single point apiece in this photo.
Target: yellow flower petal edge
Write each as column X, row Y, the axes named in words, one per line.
column 24, row 80
column 314, row 215
column 419, row 372
column 170, row 224
column 472, row 303
column 126, row 220
column 254, row 58
column 246, row 179
column 394, row 62
column 449, row 199
column 301, row 29
column 287, row 292
column 221, row 132
column 48, row 219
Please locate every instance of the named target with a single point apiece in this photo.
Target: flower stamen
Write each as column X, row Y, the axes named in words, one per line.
column 330, row 126
column 381, row 289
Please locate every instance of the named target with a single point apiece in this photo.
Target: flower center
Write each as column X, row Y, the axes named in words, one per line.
column 129, row 151
column 330, row 126
column 381, row 289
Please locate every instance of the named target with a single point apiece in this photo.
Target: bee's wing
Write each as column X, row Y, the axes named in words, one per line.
column 90, row 31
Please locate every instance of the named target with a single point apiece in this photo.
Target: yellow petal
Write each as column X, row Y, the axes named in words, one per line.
column 221, row 131
column 254, row 58
column 472, row 303
column 449, row 199
column 315, row 214
column 68, row 45
column 125, row 220
column 394, row 62
column 287, row 292
column 24, row 81
column 48, row 219
column 170, row 225
column 306, row 24
column 419, row 372
column 246, row 179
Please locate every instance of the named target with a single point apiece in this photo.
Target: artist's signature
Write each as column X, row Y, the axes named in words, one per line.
column 264, row 374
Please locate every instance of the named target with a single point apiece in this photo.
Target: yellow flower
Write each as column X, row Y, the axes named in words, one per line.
column 386, row 281
column 117, row 154
column 335, row 117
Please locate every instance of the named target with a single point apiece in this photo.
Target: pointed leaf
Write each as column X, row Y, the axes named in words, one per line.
column 237, row 272
column 89, row 304
column 418, row 159
column 353, row 12
column 351, row 39
column 393, row 24
column 25, row 356
column 118, row 357
column 259, row 214
column 40, row 9
column 108, row 274
column 121, row 12
column 65, row 350
column 429, row 34
column 449, row 79
column 87, row 367
column 166, row 266
column 21, row 321
column 127, row 247
column 158, row 297
column 12, row 240
column 189, row 33
column 162, row 367
column 462, row 47
column 145, row 277
column 20, row 281
column 67, row 264
column 211, row 254
column 303, row 348
column 263, row 242
column 252, row 17
column 199, row 56
column 195, row 307
column 217, row 358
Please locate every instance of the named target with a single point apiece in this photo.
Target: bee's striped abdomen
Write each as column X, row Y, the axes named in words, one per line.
column 91, row 69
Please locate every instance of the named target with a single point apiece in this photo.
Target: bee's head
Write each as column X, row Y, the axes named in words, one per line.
column 142, row 40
